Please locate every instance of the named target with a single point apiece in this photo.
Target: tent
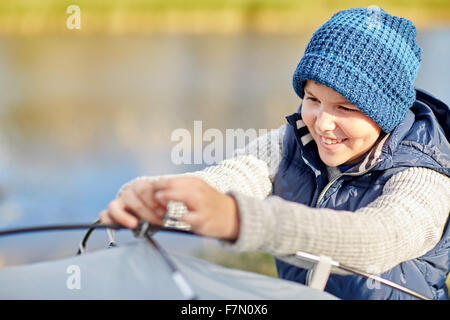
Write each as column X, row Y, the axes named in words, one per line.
column 137, row 270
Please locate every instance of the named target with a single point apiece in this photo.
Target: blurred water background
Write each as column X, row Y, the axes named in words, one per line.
column 84, row 111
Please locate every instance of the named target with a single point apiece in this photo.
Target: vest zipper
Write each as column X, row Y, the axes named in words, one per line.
column 329, row 184
column 324, row 190
column 319, row 199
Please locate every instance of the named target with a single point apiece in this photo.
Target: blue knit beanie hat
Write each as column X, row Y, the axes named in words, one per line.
column 368, row 56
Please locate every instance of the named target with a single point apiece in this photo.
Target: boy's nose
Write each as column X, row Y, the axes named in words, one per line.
column 325, row 122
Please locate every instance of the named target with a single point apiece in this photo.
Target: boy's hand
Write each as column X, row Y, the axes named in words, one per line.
column 136, row 202
column 210, row 212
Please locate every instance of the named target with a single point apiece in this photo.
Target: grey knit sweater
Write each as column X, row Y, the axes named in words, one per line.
column 405, row 222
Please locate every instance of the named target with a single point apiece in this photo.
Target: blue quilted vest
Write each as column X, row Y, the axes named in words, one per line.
column 420, row 140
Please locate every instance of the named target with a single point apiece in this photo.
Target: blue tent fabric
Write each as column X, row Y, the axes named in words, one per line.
column 137, row 271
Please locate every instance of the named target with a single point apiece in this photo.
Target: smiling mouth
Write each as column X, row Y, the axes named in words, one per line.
column 329, row 141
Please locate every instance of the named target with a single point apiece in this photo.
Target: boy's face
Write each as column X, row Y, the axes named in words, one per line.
column 343, row 133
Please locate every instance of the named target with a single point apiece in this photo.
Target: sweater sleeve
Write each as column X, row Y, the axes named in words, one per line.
column 250, row 172
column 404, row 222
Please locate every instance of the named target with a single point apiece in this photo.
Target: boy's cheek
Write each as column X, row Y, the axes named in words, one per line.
column 308, row 117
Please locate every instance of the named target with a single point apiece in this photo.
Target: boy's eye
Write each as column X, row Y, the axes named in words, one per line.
column 347, row 109
column 311, row 98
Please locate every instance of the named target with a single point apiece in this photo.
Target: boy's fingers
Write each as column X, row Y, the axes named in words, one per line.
column 105, row 218
column 144, row 191
column 138, row 208
column 178, row 182
column 118, row 214
column 189, row 190
column 160, row 184
column 184, row 195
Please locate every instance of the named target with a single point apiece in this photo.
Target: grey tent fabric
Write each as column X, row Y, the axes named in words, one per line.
column 137, row 271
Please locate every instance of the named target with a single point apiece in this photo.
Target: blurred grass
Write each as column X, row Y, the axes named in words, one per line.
column 258, row 262
column 200, row 16
column 448, row 285
column 212, row 5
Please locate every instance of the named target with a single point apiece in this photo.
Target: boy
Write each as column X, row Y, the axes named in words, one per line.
column 363, row 177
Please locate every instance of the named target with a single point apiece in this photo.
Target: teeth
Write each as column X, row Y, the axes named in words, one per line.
column 330, row 141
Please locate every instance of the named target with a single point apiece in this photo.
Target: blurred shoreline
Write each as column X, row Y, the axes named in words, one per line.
column 31, row 17
column 85, row 110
